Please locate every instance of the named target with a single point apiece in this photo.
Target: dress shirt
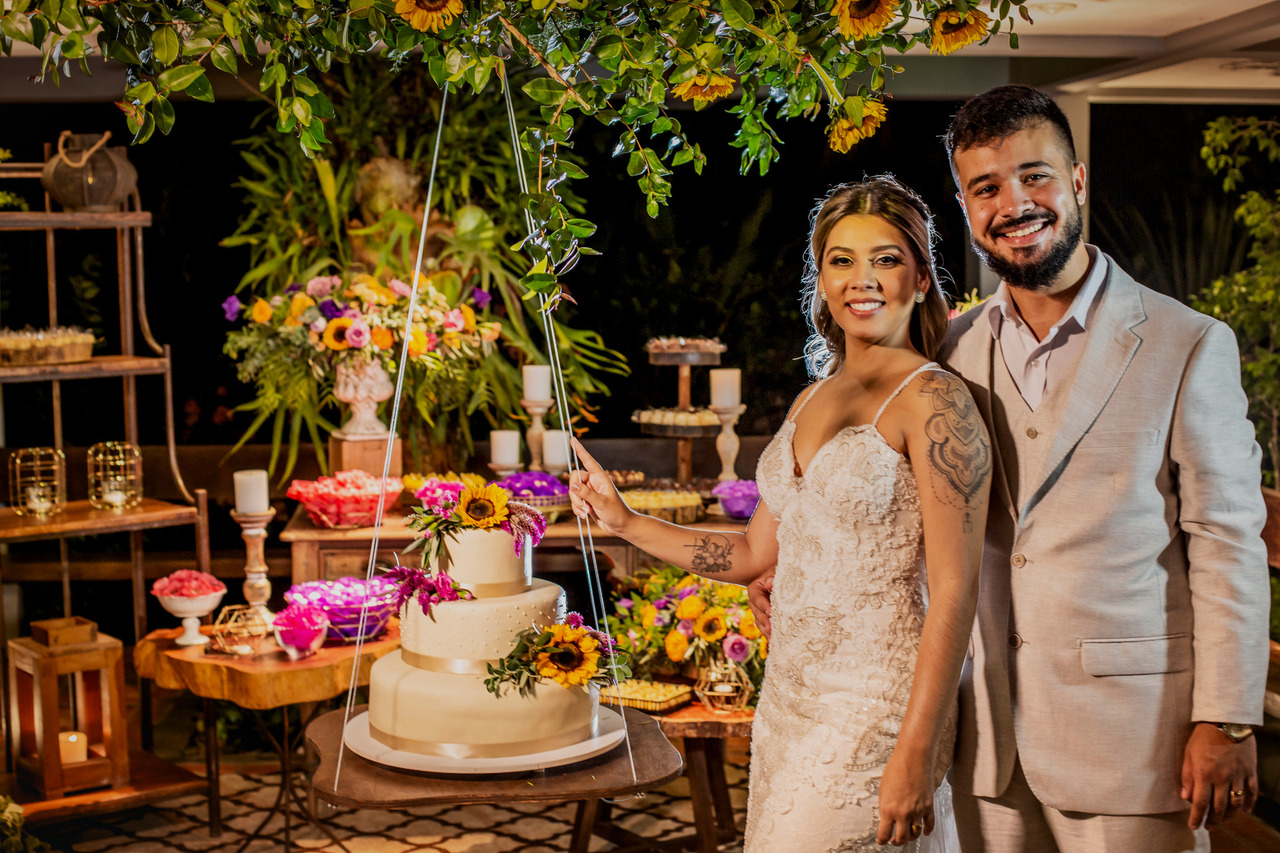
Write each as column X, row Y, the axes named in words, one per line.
column 1036, row 366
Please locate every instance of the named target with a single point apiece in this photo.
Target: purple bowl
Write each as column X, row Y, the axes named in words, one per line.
column 739, row 506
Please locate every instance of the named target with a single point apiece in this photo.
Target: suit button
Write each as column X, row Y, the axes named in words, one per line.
column 1031, row 432
column 1014, row 641
column 1018, row 561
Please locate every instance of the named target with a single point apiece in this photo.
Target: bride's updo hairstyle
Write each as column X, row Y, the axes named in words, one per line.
column 881, row 196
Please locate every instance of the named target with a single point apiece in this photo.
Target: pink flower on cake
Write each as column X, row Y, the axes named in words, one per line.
column 573, row 620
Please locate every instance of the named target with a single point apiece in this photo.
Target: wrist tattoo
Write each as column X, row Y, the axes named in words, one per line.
column 711, row 554
column 959, row 452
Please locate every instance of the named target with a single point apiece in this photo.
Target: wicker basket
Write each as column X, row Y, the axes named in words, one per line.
column 545, row 504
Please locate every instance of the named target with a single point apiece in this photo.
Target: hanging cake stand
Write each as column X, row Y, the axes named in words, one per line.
column 608, row 734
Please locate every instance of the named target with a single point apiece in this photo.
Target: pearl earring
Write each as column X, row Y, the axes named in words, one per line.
column 822, row 294
column 919, row 296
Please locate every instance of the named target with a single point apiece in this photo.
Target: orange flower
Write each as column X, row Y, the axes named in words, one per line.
column 677, row 645
column 468, row 318
column 490, row 332
column 647, row 615
column 417, row 341
column 261, row 312
column 747, row 626
column 382, row 337
column 764, row 648
column 690, row 607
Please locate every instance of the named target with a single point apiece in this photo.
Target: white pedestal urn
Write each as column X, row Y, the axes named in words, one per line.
column 362, row 385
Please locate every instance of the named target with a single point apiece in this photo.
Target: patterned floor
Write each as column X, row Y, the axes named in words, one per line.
column 179, row 826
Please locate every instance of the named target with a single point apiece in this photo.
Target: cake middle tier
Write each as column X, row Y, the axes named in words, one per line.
column 462, row 636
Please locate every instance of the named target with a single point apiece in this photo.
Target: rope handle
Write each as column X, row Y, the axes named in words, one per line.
column 62, row 149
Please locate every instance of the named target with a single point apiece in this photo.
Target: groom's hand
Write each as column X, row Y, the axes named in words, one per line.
column 1213, row 769
column 759, row 596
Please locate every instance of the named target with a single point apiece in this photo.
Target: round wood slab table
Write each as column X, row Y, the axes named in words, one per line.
column 363, row 784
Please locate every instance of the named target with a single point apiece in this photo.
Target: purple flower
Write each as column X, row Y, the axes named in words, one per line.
column 358, row 334
column 685, row 626
column 399, row 288
column 662, row 603
column 661, row 620
column 321, row 286
column 293, row 288
column 737, row 648
column 625, row 603
column 444, row 587
column 231, row 307
column 573, row 620
column 332, row 309
column 481, row 298
column 687, row 591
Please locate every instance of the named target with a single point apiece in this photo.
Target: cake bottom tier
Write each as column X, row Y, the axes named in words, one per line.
column 440, row 713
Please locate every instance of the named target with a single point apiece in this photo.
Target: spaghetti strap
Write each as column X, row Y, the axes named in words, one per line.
column 807, row 397
column 933, row 365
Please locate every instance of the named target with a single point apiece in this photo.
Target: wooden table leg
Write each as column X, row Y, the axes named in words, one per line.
column 720, row 788
column 584, row 823
column 699, row 754
column 212, row 768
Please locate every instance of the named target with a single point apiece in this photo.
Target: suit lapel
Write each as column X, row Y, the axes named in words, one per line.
column 981, row 361
column 1109, row 348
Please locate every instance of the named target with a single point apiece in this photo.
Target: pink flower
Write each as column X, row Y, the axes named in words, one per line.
column 736, row 647
column 432, row 340
column 687, row 591
column 573, row 620
column 444, row 588
column 358, row 334
column 454, row 321
column 437, row 494
column 321, row 286
column 399, row 288
column 685, row 626
column 319, row 325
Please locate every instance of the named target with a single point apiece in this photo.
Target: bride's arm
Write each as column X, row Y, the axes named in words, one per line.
column 728, row 557
column 950, row 454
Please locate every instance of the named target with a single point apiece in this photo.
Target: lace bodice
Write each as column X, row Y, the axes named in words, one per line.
column 848, row 608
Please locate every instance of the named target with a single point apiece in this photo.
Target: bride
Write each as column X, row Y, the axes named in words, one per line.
column 882, row 458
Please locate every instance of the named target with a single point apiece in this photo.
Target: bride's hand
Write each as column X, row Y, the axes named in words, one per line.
column 906, row 801
column 593, row 495
column 760, row 597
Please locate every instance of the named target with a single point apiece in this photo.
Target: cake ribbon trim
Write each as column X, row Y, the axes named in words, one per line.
column 485, row 750
column 453, row 666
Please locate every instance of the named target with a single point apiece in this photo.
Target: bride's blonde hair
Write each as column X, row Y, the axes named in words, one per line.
column 883, row 197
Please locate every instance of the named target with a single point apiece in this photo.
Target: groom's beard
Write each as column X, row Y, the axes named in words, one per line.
column 1035, row 274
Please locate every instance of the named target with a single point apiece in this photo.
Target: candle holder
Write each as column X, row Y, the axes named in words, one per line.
column 727, row 440
column 504, row 471
column 257, row 589
column 36, row 478
column 533, row 435
column 115, row 475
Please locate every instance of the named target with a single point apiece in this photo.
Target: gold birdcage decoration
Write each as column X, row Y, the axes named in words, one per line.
column 37, row 477
column 115, row 475
column 724, row 686
column 239, row 630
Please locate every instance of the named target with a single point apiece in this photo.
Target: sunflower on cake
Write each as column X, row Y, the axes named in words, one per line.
column 490, row 666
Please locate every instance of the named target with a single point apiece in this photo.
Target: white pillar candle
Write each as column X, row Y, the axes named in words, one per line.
column 726, row 387
column 555, row 449
column 504, row 447
column 73, row 747
column 537, row 381
column 252, row 494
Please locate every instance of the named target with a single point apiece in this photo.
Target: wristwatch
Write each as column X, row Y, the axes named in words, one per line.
column 1235, row 732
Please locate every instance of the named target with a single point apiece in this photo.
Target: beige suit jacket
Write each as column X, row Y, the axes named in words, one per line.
column 1128, row 595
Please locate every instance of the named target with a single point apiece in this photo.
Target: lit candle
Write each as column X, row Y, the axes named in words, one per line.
column 73, row 747
column 555, row 449
column 113, row 494
column 722, row 688
column 537, row 381
column 38, row 500
column 726, row 387
column 252, row 495
column 504, row 447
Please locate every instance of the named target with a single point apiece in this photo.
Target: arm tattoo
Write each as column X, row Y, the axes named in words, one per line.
column 958, row 449
column 711, row 554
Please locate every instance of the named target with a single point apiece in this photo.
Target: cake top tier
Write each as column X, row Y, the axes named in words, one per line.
column 485, row 563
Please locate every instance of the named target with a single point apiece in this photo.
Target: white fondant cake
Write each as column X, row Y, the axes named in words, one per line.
column 429, row 697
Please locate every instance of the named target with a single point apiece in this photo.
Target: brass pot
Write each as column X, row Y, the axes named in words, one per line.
column 85, row 175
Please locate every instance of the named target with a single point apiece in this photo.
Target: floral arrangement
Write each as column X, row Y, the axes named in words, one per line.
column 738, row 498
column 429, row 589
column 347, row 499
column 413, row 483
column 452, row 508
column 299, row 627
column 971, row 300
column 568, row 653
column 673, row 622
column 187, row 583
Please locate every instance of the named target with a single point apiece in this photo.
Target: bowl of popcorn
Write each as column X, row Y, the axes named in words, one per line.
column 189, row 595
column 738, row 498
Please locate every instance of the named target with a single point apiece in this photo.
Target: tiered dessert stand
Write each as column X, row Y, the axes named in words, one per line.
column 684, row 435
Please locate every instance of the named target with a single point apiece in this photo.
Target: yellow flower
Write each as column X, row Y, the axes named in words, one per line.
column 703, row 88
column 382, row 337
column 844, row 133
column 953, row 29
column 677, row 645
column 726, row 591
column 432, row 15
column 747, row 626
column 572, row 657
column 687, row 580
column 690, row 608
column 648, row 613
column 468, row 317
column 300, row 302
column 764, row 648
column 711, row 625
column 417, row 341
column 484, row 507
column 261, row 312
column 335, row 334
column 860, row 19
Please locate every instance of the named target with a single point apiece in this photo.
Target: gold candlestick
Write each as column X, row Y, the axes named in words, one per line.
column 727, row 440
column 533, row 435
column 257, row 588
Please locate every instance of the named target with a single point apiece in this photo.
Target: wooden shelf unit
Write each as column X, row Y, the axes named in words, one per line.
column 98, row 367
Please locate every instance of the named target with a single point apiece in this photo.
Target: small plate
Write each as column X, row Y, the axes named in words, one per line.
column 610, row 731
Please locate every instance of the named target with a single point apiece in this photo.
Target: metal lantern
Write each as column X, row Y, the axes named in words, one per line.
column 36, row 480
column 724, row 686
column 239, row 630
column 115, row 475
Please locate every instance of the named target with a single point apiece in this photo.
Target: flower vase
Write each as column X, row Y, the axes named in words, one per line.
column 362, row 385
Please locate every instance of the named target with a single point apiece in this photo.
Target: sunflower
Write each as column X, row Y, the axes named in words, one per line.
column 261, row 312
column 571, row 656
column 382, row 337
column 952, row 29
column 677, row 645
column 335, row 334
column 690, row 607
column 844, row 133
column 711, row 625
column 432, row 15
column 860, row 19
column 483, row 507
column 703, row 88
column 747, row 626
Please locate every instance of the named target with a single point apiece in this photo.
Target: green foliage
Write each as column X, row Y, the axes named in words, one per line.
column 13, row 839
column 9, row 199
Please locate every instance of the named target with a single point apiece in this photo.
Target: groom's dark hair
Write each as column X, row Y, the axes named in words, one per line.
column 1001, row 112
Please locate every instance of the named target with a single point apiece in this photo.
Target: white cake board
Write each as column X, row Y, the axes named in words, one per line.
column 609, row 733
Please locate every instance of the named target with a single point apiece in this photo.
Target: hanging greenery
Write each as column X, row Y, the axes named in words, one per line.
column 620, row 61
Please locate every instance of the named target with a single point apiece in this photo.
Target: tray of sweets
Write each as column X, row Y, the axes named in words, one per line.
column 653, row 697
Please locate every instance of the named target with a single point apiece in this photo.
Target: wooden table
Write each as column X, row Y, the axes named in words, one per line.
column 321, row 553
column 366, row 785
column 258, row 683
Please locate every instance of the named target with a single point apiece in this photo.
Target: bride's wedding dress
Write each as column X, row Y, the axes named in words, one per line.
column 848, row 607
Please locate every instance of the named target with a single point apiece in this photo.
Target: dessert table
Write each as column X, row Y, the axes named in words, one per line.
column 363, row 784
column 259, row 682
